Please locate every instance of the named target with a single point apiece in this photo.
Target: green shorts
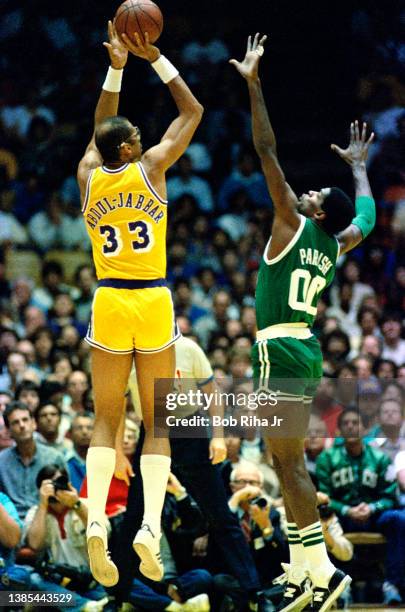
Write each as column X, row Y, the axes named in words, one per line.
column 290, row 367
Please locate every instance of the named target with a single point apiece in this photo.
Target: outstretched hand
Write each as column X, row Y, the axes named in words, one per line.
column 249, row 66
column 357, row 150
column 145, row 50
column 116, row 49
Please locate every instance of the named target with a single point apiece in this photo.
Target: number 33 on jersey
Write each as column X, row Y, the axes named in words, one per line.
column 126, row 221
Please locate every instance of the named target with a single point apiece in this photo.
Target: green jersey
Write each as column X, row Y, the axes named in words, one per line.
column 351, row 480
column 290, row 285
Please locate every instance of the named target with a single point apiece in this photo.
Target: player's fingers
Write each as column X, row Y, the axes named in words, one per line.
column 370, row 140
column 110, row 29
column 107, row 45
column 352, row 133
column 138, row 40
column 146, row 37
column 249, row 45
column 356, row 130
column 263, row 39
column 234, row 62
column 255, row 40
column 364, row 132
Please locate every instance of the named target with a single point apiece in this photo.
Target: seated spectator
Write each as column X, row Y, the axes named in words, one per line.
column 48, row 419
column 244, row 177
column 364, row 367
column 80, row 433
column 350, row 273
column 183, row 303
column 52, row 284
column 336, row 542
column 259, row 520
column 43, row 340
column 20, row 464
column 12, row 577
column 33, row 319
column 16, row 369
column 56, row 527
column 85, row 283
column 188, row 183
column 368, row 401
column 346, row 384
column 314, row 444
column 367, row 319
column 222, row 310
column 336, row 348
column 27, row 392
column 325, row 406
column 61, row 367
column 203, row 291
column 77, row 386
column 389, row 434
column 63, row 313
column 385, row 369
column 371, row 346
column 393, row 345
column 355, row 477
column 51, row 228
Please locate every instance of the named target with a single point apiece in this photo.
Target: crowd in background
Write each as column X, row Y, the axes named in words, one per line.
column 220, row 220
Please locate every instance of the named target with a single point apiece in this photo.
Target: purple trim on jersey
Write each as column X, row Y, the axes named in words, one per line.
column 149, row 184
column 87, row 194
column 113, row 171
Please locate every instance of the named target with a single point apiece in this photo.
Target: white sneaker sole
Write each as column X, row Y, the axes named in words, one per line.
column 299, row 604
column 102, row 568
column 150, row 566
column 336, row 593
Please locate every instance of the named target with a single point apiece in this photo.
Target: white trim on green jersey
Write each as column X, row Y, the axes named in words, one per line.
column 289, row 246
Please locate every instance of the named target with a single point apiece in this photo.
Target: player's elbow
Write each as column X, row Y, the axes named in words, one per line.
column 198, row 111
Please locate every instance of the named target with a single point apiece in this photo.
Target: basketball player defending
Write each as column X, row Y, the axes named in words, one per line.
column 125, row 210
column 308, row 234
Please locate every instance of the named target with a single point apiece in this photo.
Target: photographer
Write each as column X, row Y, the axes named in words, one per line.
column 57, row 527
column 336, row 542
column 260, row 522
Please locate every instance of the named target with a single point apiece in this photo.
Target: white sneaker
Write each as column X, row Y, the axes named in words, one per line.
column 101, row 566
column 199, row 603
column 95, row 606
column 147, row 547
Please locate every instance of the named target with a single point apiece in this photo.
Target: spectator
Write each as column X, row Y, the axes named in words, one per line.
column 369, row 398
column 56, row 526
column 371, row 346
column 48, row 420
column 183, row 303
column 210, row 323
column 336, row 542
column 399, row 467
column 85, row 282
column 5, row 440
column 244, row 177
column 12, row 577
column 314, row 444
column 51, row 229
column 389, row 434
column 27, row 392
column 354, row 476
column 63, row 314
column 393, row 345
column 259, row 520
column 52, row 284
column 326, row 407
column 77, row 386
column 188, row 183
column 385, row 369
column 81, row 431
column 34, row 319
column 62, row 367
column 20, row 464
column 43, row 340
column 16, row 368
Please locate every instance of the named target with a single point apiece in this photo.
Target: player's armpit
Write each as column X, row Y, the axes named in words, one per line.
column 349, row 238
column 284, row 199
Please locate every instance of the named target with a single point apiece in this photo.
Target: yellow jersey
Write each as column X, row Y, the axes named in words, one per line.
column 126, row 221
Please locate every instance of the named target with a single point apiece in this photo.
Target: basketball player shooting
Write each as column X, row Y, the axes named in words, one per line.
column 123, row 194
column 299, row 262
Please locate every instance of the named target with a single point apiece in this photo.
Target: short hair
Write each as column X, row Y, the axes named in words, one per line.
column 38, row 410
column 26, row 385
column 10, row 408
column 247, row 465
column 348, row 410
column 48, row 472
column 339, row 210
column 110, row 134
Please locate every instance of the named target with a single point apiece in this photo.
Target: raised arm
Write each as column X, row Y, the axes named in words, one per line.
column 356, row 155
column 284, row 199
column 180, row 132
column 107, row 105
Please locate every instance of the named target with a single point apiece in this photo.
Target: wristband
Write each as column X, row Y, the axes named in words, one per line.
column 113, row 80
column 165, row 69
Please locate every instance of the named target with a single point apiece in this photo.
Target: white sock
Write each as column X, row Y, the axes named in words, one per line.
column 155, row 471
column 298, row 562
column 100, row 465
column 319, row 565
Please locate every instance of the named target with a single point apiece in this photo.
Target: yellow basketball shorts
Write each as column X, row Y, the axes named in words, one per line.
column 126, row 319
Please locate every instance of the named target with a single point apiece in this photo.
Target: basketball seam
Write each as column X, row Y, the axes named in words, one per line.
column 151, row 18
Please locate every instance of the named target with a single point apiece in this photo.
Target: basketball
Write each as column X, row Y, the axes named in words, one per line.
column 139, row 16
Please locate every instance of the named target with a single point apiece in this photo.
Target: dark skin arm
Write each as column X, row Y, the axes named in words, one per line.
column 355, row 155
column 107, row 106
column 177, row 137
column 286, row 219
